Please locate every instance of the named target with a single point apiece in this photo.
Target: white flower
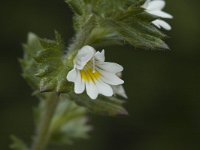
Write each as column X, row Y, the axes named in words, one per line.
column 92, row 73
column 155, row 7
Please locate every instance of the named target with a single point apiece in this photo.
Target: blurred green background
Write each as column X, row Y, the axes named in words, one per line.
column 163, row 86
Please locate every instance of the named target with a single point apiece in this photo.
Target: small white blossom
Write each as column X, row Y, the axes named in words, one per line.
column 155, row 7
column 92, row 73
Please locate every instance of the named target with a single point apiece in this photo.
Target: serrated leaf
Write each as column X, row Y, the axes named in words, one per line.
column 125, row 20
column 76, row 6
column 139, row 39
column 69, row 122
column 18, row 144
column 28, row 64
column 43, row 64
column 108, row 106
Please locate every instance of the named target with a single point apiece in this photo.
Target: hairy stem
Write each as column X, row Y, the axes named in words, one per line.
column 43, row 131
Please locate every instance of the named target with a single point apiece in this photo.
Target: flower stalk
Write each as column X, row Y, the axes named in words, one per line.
column 43, row 132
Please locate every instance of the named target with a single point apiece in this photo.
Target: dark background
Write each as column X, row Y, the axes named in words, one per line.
column 163, row 86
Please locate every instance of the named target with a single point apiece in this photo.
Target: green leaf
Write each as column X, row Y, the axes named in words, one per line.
column 28, row 64
column 117, row 22
column 69, row 122
column 43, row 64
column 108, row 106
column 18, row 144
column 139, row 39
column 76, row 5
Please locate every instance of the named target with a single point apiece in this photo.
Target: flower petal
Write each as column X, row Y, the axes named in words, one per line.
column 79, row 84
column 100, row 56
column 91, row 90
column 119, row 74
column 110, row 78
column 119, row 90
column 104, row 88
column 84, row 55
column 146, row 4
column 156, row 5
column 110, row 67
column 161, row 14
column 161, row 24
column 72, row 75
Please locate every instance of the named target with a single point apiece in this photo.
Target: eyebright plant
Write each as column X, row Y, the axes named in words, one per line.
column 72, row 80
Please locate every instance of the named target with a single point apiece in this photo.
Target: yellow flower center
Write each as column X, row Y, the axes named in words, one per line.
column 88, row 73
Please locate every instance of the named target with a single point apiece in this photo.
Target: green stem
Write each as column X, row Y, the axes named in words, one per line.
column 43, row 131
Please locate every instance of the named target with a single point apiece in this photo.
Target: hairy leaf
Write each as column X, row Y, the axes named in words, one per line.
column 118, row 21
column 111, row 106
column 43, row 64
column 69, row 122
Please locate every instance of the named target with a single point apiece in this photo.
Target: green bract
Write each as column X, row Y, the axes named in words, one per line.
column 116, row 22
column 111, row 106
column 68, row 123
column 45, row 57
